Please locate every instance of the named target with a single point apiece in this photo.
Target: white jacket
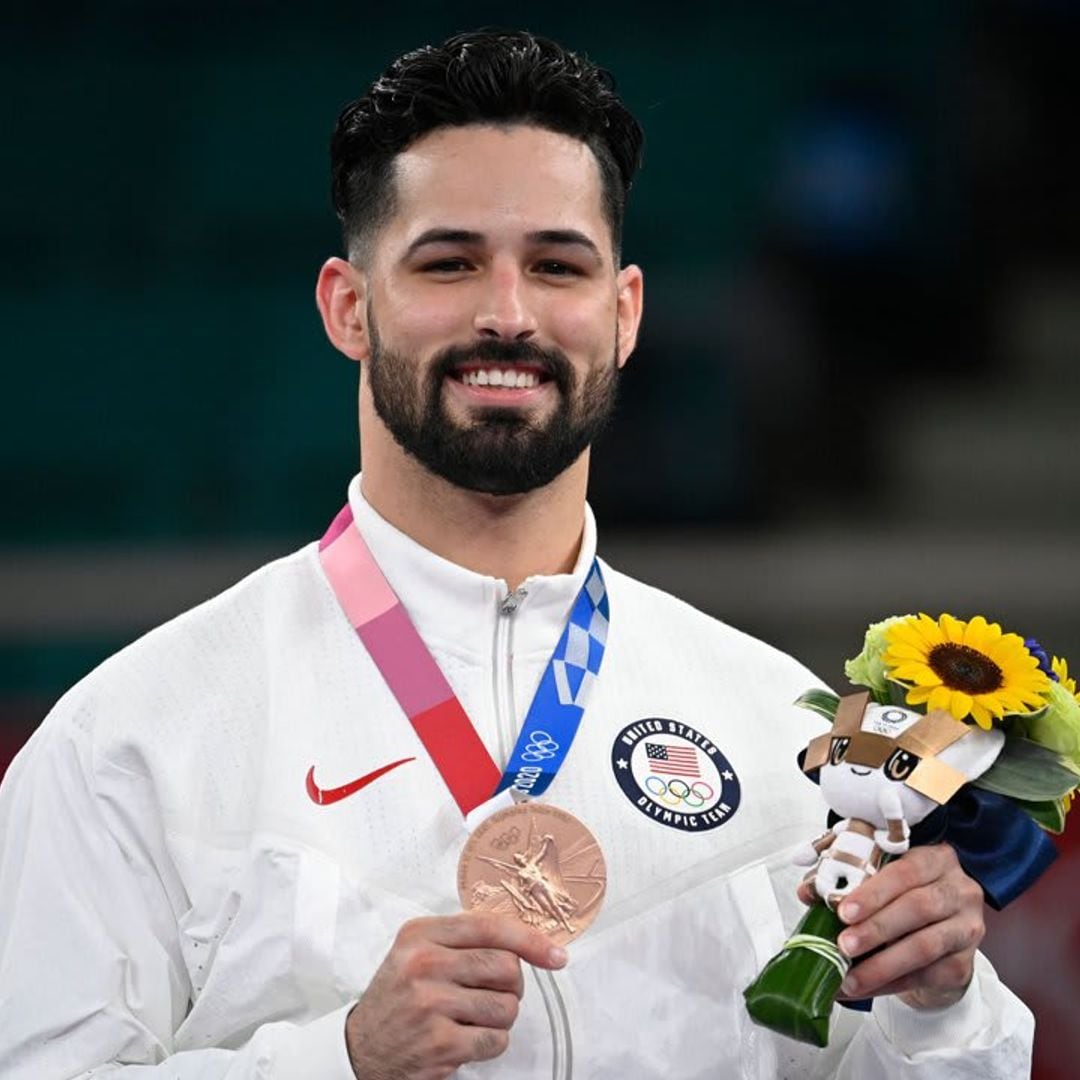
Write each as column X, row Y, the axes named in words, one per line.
column 173, row 904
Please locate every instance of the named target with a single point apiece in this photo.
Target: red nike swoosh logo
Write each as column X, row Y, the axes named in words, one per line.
column 326, row 796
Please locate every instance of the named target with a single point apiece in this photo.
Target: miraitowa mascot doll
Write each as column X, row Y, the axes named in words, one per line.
column 883, row 769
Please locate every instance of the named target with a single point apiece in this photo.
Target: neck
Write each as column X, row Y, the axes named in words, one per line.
column 511, row 537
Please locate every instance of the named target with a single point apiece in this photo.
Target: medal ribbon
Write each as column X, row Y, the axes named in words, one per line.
column 421, row 689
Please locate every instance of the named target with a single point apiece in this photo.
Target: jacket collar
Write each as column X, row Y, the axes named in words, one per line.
column 458, row 610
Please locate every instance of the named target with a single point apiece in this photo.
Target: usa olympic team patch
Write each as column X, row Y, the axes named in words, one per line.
column 675, row 775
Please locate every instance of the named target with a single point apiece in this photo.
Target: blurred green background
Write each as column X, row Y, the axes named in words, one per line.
column 862, row 246
column 861, row 236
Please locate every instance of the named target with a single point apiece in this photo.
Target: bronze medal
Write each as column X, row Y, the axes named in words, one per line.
column 537, row 862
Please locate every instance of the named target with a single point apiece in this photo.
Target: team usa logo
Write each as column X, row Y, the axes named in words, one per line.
column 674, row 775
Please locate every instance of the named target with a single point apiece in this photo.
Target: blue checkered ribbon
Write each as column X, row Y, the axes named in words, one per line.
column 564, row 690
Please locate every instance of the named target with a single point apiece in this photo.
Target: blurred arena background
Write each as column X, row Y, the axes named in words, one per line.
column 860, row 226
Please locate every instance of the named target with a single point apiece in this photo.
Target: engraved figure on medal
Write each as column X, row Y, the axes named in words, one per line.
column 547, row 869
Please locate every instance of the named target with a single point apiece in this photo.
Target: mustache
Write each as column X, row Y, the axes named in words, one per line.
column 551, row 362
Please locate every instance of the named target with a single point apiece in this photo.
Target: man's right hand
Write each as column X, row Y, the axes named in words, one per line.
column 447, row 993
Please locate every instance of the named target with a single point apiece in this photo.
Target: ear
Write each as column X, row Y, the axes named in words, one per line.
column 341, row 296
column 631, row 296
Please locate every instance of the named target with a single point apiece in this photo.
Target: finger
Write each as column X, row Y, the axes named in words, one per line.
column 482, row 1008
column 488, row 1043
column 945, row 898
column 918, row 867
column 487, row 969
column 451, row 1044
column 910, row 956
column 937, row 986
column 484, row 930
column 807, row 893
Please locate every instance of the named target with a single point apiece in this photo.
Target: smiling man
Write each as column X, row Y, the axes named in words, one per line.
column 236, row 849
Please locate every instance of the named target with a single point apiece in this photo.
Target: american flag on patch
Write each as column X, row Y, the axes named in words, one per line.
column 674, row 760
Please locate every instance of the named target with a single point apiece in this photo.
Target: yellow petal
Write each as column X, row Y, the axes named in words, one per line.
column 982, row 717
column 975, row 633
column 917, row 695
column 940, row 698
column 903, row 651
column 916, row 673
column 961, row 704
column 903, row 632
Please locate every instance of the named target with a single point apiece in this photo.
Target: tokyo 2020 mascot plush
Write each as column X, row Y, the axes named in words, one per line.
column 882, row 769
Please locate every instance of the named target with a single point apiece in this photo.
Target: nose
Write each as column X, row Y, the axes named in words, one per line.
column 504, row 310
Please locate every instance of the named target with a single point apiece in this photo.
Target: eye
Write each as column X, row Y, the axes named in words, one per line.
column 554, row 268
column 838, row 750
column 446, row 266
column 901, row 765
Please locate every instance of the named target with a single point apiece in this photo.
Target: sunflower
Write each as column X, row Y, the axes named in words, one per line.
column 968, row 668
column 1060, row 668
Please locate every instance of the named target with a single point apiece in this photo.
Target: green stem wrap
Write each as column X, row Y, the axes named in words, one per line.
column 795, row 991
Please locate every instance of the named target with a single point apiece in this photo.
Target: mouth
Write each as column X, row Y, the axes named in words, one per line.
column 500, row 383
column 506, row 376
column 860, row 772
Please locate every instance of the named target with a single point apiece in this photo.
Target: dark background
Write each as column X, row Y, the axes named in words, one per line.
column 853, row 395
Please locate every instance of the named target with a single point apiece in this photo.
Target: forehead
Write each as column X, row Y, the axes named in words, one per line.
column 499, row 181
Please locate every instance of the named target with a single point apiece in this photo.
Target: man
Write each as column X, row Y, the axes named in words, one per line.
column 228, row 852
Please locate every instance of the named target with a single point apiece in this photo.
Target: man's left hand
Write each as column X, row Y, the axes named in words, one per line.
column 928, row 915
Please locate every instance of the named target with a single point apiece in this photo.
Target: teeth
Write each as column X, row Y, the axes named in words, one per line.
column 520, row 380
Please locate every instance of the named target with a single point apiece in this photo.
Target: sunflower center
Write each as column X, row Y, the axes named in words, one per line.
column 961, row 667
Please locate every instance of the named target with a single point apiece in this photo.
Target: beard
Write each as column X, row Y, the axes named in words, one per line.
column 499, row 451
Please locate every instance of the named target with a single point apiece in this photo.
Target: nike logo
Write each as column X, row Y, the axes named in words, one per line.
column 326, row 796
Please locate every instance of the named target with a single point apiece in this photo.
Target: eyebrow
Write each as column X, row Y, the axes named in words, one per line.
column 558, row 237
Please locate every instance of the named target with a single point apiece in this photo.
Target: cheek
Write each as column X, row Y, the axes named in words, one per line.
column 421, row 325
column 915, row 806
column 584, row 327
column 848, row 794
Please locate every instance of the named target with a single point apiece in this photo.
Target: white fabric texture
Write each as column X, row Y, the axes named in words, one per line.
column 174, row 905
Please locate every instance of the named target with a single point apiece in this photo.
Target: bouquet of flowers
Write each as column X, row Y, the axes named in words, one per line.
column 962, row 733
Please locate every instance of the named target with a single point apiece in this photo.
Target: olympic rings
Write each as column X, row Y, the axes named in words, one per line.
column 666, row 788
column 541, row 747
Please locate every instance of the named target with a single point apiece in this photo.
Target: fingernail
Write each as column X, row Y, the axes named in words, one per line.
column 849, row 986
column 849, row 944
column 558, row 957
column 849, row 912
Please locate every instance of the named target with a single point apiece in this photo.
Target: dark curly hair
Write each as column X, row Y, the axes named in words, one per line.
column 480, row 77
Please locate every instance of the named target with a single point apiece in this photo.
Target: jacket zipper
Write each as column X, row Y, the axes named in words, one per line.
column 505, row 726
column 503, row 671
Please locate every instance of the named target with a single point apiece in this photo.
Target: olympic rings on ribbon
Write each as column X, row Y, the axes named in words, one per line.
column 541, row 747
column 666, row 788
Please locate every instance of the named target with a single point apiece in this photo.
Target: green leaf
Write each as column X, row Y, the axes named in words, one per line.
column 1049, row 814
column 897, row 695
column 1028, row 718
column 1024, row 770
column 823, row 702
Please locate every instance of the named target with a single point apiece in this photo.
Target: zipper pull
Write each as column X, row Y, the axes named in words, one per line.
column 512, row 601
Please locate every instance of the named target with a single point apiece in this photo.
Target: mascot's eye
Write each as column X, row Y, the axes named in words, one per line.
column 838, row 749
column 901, row 765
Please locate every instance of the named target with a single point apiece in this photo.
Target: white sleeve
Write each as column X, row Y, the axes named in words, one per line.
column 987, row 1035
column 92, row 982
